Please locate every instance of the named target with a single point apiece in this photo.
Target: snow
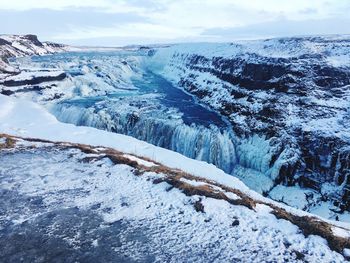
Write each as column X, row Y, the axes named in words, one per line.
column 95, row 243
column 139, row 161
column 321, row 113
column 174, row 62
column 166, row 217
column 333, row 126
column 255, row 180
column 99, row 73
column 27, row 119
column 294, row 195
column 28, row 75
column 275, row 48
column 20, row 45
column 247, row 159
column 263, row 209
column 6, row 68
column 325, row 210
column 192, row 182
column 232, row 196
column 341, row 232
column 122, row 195
column 339, row 60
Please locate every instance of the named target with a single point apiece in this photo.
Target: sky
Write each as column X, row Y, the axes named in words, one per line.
column 121, row 22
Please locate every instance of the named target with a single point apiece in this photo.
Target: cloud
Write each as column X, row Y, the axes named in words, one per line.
column 85, row 21
column 142, row 30
column 281, row 27
column 48, row 23
column 106, row 5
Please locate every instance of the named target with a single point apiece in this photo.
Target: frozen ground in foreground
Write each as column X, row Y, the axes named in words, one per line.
column 65, row 205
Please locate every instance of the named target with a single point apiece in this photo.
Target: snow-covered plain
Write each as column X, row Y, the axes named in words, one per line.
column 151, row 222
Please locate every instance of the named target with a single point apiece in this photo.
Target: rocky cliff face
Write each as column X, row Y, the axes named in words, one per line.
column 293, row 92
column 23, row 45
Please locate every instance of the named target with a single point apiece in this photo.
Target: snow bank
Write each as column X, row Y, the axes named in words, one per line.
column 23, row 118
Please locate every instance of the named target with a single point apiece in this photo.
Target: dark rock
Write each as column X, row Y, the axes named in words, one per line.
column 235, row 222
column 7, row 92
column 4, row 42
column 198, row 206
column 34, row 80
column 34, row 39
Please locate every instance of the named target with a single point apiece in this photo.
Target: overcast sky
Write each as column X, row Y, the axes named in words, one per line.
column 121, row 22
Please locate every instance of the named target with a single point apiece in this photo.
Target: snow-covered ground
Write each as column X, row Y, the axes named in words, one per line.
column 124, row 217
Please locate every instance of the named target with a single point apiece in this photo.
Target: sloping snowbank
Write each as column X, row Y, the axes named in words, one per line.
column 27, row 119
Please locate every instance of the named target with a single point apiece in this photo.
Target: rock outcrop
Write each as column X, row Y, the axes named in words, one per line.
column 23, row 45
column 293, row 92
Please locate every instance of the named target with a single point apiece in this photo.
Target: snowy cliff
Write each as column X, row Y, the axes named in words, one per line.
column 23, row 45
column 293, row 93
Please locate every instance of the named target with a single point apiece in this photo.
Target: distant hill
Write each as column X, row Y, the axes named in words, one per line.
column 24, row 45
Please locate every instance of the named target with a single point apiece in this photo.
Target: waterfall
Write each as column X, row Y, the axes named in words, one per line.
column 197, row 142
column 159, row 113
column 212, row 145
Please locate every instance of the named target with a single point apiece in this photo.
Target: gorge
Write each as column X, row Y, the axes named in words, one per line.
column 274, row 113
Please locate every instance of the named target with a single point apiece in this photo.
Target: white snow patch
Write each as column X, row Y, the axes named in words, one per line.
column 95, row 243
column 347, row 252
column 193, row 182
column 292, row 195
column 232, row 195
column 139, row 161
column 341, row 232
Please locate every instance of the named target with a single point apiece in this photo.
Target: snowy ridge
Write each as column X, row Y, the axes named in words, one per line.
column 329, row 46
column 24, row 45
column 206, row 186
